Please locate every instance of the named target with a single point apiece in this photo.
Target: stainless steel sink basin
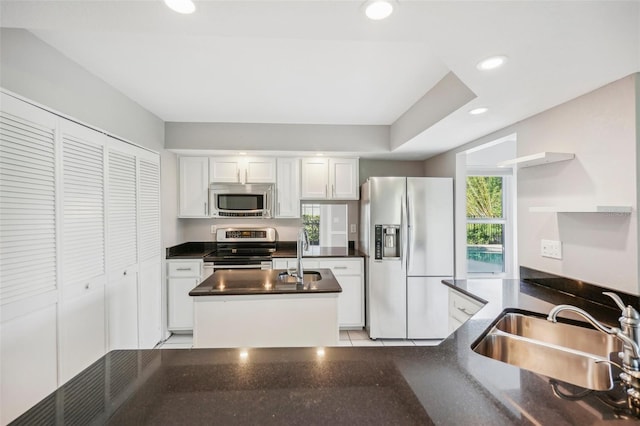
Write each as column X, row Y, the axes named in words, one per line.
column 307, row 277
column 566, row 352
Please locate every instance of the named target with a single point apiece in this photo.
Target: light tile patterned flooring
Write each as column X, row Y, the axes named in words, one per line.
column 347, row 338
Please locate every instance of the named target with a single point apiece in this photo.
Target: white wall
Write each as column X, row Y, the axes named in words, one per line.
column 600, row 127
column 33, row 69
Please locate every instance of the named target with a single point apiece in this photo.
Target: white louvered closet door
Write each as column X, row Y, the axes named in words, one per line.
column 122, row 249
column 150, row 278
column 28, row 254
column 82, row 313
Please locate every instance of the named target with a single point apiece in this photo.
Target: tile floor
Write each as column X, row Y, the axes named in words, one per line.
column 347, row 338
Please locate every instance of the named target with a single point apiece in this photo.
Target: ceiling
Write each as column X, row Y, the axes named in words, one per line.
column 324, row 62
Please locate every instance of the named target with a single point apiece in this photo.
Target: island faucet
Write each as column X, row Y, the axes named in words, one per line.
column 629, row 334
column 303, row 244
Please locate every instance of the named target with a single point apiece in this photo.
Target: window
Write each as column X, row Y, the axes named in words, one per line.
column 311, row 221
column 486, row 224
column 326, row 224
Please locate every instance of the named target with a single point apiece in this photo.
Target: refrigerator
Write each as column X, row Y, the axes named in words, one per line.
column 407, row 236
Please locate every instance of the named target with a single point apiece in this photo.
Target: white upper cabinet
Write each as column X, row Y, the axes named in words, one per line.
column 329, row 178
column 194, row 186
column 343, row 178
column 288, row 188
column 315, row 179
column 242, row 169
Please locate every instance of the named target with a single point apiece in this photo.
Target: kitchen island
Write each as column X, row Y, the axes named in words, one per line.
column 266, row 308
column 447, row 384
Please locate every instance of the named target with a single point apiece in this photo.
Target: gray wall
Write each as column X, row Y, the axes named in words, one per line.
column 601, row 128
column 33, row 69
column 277, row 137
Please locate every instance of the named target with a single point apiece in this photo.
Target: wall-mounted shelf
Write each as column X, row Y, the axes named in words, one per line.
column 582, row 209
column 537, row 159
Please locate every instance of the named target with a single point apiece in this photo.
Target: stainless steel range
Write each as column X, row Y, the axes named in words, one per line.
column 243, row 248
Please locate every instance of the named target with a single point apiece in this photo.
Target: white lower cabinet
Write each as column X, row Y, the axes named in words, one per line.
column 349, row 272
column 461, row 308
column 182, row 277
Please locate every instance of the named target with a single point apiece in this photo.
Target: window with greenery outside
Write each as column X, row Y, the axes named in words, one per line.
column 485, row 224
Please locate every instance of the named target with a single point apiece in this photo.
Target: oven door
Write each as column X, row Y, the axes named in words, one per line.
column 261, row 265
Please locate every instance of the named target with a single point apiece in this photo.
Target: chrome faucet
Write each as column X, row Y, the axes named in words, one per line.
column 303, row 244
column 629, row 334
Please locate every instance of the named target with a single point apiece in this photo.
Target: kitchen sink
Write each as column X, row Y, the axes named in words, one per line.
column 307, row 277
column 564, row 351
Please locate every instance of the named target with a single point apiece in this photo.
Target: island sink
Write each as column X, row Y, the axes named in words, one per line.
column 564, row 351
column 309, row 276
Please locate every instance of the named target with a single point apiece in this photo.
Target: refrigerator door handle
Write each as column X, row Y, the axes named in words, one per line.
column 408, row 233
column 404, row 251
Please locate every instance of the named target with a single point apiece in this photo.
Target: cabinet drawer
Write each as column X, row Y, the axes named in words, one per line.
column 462, row 307
column 188, row 268
column 343, row 267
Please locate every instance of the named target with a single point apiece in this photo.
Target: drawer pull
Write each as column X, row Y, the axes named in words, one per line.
column 463, row 310
column 87, row 286
column 183, row 269
column 340, row 267
column 124, row 273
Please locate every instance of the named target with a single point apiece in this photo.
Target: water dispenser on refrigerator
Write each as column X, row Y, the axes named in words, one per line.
column 387, row 242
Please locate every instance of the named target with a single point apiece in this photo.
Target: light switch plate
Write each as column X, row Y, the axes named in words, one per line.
column 213, row 229
column 353, row 228
column 551, row 248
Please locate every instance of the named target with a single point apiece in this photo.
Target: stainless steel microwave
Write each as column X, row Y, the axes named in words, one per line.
column 232, row 200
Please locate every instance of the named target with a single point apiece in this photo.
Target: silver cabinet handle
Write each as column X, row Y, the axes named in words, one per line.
column 333, row 191
column 183, row 269
column 325, row 191
column 279, row 211
column 205, row 208
column 463, row 310
column 246, row 176
column 339, row 267
column 238, row 175
column 124, row 273
column 87, row 286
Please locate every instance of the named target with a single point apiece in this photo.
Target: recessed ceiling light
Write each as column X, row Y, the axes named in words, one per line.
column 181, row 6
column 378, row 9
column 477, row 111
column 491, row 63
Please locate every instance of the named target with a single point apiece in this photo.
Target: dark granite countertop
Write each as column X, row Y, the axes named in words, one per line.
column 254, row 281
column 199, row 250
column 447, row 384
column 315, row 251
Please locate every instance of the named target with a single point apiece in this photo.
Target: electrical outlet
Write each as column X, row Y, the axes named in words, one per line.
column 213, row 229
column 353, row 228
column 551, row 248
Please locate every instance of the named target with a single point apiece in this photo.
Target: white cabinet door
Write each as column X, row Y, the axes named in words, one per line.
column 181, row 304
column 82, row 327
column 242, row 169
column 288, row 188
column 122, row 249
column 343, row 178
column 150, row 303
column 28, row 200
column 259, row 170
column 315, row 179
column 28, row 368
column 225, row 169
column 193, row 186
column 350, row 301
column 122, row 314
column 427, row 308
